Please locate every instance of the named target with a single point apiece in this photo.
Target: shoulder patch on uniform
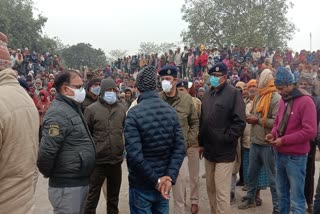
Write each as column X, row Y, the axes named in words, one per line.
column 54, row 130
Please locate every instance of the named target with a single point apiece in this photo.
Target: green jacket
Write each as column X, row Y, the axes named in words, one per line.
column 188, row 117
column 258, row 132
column 106, row 123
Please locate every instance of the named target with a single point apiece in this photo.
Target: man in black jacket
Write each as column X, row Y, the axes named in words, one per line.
column 222, row 122
column 67, row 151
column 155, row 148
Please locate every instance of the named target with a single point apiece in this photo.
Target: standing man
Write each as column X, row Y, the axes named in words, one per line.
column 178, row 62
column 67, row 150
column 261, row 156
column 105, row 119
column 184, row 58
column 305, row 83
column 155, row 148
column 193, row 155
column 294, row 127
column 188, row 118
column 19, row 126
column 93, row 91
column 222, row 122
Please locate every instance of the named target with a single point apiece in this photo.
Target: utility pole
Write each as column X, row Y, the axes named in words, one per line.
column 310, row 42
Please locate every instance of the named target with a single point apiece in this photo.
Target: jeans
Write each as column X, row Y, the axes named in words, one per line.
column 291, row 173
column 317, row 198
column 262, row 156
column 147, row 202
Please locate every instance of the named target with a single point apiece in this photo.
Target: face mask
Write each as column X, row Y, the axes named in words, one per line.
column 95, row 90
column 214, row 81
column 110, row 97
column 166, row 86
column 79, row 95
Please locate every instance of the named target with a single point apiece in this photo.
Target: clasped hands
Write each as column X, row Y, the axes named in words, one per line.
column 164, row 186
column 271, row 140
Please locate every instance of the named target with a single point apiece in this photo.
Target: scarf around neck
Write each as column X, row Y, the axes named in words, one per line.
column 287, row 112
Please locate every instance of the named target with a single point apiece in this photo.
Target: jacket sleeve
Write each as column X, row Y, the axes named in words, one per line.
column 88, row 116
column 274, row 109
column 238, row 123
column 133, row 147
column 199, row 133
column 193, row 121
column 53, row 134
column 177, row 153
column 309, row 126
column 276, row 120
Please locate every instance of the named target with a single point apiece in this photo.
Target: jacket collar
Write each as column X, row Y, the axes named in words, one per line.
column 147, row 95
column 175, row 98
column 69, row 101
column 220, row 88
column 8, row 76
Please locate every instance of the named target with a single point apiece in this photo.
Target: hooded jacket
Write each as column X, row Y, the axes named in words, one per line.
column 106, row 123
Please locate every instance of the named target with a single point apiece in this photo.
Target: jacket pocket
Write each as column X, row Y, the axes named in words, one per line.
column 87, row 164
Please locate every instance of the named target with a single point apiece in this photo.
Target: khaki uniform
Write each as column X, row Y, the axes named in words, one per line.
column 189, row 121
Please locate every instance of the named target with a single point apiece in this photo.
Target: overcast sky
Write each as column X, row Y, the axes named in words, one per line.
column 123, row 24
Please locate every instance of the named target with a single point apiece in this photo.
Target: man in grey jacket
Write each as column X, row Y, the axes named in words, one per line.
column 67, row 150
column 261, row 117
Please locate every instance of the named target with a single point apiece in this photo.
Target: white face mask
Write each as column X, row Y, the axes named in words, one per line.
column 79, row 94
column 166, row 86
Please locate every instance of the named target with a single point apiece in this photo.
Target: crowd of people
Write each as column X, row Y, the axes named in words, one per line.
column 251, row 113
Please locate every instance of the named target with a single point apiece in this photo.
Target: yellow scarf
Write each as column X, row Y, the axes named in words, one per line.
column 263, row 104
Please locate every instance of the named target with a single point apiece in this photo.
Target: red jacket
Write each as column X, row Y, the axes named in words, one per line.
column 301, row 128
column 203, row 59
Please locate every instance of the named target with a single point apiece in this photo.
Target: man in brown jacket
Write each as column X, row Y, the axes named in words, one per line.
column 105, row 119
column 19, row 127
column 189, row 122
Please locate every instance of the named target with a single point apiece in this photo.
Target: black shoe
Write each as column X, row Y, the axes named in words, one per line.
column 247, row 204
column 240, row 183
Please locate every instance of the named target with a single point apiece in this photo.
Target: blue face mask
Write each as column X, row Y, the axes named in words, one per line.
column 95, row 90
column 110, row 97
column 214, row 81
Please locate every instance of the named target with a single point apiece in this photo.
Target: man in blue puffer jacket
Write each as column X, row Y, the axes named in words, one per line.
column 155, row 148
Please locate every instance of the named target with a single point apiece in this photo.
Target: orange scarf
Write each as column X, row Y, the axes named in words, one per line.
column 264, row 102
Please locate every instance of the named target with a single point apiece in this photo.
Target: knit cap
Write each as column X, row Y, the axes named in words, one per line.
column 146, row 79
column 283, row 77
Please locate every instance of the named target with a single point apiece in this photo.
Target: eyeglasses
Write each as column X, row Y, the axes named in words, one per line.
column 76, row 86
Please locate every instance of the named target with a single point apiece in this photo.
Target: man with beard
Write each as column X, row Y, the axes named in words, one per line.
column 294, row 127
column 305, row 83
column 261, row 158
